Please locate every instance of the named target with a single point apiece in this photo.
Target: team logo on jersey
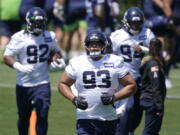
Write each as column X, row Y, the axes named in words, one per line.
column 48, row 39
column 154, row 69
column 108, row 65
column 143, row 37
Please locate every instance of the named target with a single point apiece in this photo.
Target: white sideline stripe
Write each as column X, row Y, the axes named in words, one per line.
column 7, row 85
column 14, row 85
column 54, row 89
column 172, row 97
column 174, row 77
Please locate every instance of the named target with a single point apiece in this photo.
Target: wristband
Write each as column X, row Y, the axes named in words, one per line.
column 17, row 65
column 144, row 49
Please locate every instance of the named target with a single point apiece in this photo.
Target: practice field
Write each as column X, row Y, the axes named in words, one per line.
column 62, row 115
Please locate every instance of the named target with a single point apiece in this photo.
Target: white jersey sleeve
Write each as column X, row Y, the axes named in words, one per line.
column 70, row 70
column 115, row 38
column 14, row 46
column 150, row 35
column 122, row 69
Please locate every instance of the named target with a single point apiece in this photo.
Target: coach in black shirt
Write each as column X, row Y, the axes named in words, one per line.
column 153, row 90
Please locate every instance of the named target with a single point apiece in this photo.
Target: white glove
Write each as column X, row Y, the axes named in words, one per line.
column 57, row 65
column 23, row 68
column 144, row 49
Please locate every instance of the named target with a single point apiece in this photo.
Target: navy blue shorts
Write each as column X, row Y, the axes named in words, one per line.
column 37, row 97
column 8, row 28
column 95, row 127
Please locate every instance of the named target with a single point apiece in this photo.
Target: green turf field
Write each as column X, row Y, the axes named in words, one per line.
column 61, row 115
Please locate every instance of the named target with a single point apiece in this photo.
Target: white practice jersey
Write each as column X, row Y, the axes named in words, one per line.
column 92, row 79
column 32, row 50
column 122, row 45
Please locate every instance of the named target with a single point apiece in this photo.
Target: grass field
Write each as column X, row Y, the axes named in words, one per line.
column 62, row 116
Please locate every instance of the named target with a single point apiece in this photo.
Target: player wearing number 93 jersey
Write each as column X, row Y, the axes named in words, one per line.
column 28, row 52
column 97, row 77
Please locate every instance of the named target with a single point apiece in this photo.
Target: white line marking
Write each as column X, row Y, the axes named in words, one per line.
column 172, row 97
column 174, row 77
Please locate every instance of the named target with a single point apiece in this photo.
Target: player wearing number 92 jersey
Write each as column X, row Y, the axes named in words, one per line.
column 28, row 52
column 35, row 51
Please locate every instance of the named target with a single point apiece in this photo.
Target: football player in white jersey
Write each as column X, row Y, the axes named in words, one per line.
column 28, row 52
column 96, row 76
column 131, row 41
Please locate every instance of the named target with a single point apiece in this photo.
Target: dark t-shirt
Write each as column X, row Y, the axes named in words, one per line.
column 153, row 83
